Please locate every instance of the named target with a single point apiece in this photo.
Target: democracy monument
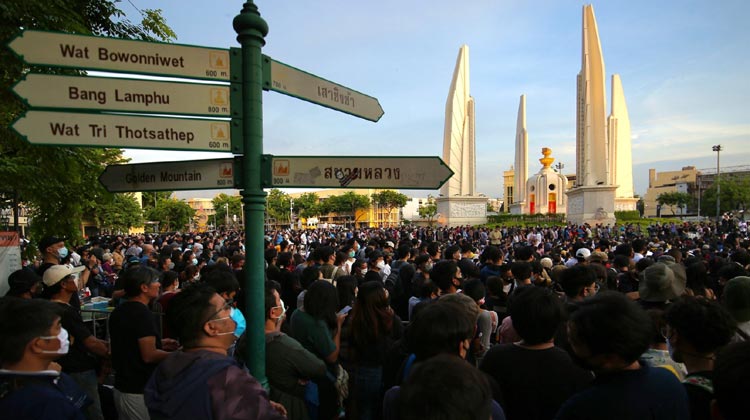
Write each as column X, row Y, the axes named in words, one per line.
column 604, row 169
column 459, row 203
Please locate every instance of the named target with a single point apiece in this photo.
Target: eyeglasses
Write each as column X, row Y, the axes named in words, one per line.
column 228, row 305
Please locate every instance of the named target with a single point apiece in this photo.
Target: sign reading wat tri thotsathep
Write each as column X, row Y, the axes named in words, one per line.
column 121, row 55
column 129, row 131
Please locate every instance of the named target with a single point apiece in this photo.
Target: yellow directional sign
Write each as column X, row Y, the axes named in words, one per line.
column 114, row 94
column 121, row 55
column 128, row 131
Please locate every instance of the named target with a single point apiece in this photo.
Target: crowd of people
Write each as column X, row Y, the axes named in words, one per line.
column 563, row 322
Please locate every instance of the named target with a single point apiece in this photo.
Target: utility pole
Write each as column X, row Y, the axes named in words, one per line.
column 717, row 149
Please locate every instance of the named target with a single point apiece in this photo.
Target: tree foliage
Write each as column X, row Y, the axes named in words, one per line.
column 118, row 213
column 59, row 185
column 347, row 203
column 389, row 200
column 221, row 203
column 674, row 198
column 172, row 215
column 307, row 205
column 150, row 198
column 735, row 195
column 428, row 210
column 277, row 205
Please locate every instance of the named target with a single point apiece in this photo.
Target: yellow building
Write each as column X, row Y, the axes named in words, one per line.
column 374, row 216
column 665, row 182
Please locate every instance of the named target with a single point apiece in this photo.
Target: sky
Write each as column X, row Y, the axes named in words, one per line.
column 684, row 66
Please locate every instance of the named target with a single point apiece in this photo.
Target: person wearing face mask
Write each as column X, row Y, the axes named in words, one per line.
column 289, row 366
column 33, row 387
column 136, row 343
column 60, row 283
column 207, row 325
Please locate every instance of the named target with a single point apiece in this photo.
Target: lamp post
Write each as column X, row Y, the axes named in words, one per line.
column 291, row 212
column 226, row 216
column 717, row 149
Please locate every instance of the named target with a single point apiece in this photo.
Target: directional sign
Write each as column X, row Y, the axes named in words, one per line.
column 288, row 80
column 113, row 94
column 127, row 56
column 128, row 131
column 402, row 172
column 169, row 176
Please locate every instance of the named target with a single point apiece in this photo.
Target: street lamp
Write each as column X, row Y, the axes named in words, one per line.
column 226, row 216
column 717, row 149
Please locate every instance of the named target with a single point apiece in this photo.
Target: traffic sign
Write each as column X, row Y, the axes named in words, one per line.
column 115, row 94
column 170, row 176
column 121, row 55
column 400, row 172
column 288, row 80
column 128, row 131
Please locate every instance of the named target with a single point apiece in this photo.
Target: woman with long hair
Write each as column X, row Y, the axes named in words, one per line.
column 375, row 327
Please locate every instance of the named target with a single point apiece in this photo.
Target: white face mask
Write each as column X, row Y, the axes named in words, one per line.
column 506, row 288
column 381, row 265
column 62, row 337
column 364, row 271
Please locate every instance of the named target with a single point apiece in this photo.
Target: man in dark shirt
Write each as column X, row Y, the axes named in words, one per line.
column 136, row 342
column 608, row 333
column 534, row 367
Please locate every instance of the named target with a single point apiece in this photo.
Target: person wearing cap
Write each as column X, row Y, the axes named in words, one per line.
column 53, row 250
column 24, row 283
column 582, row 255
column 32, row 387
column 659, row 286
column 60, row 284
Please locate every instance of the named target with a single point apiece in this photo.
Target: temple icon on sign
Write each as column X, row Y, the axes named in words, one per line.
column 226, row 170
column 219, row 60
column 218, row 97
column 281, row 167
column 219, row 131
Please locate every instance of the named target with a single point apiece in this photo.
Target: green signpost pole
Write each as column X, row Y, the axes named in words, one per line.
column 251, row 30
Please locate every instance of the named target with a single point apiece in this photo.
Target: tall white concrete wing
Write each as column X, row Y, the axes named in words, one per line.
column 522, row 154
column 619, row 141
column 592, row 151
column 459, row 150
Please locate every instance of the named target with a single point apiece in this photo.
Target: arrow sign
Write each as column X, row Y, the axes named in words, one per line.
column 169, row 176
column 112, row 94
column 402, row 172
column 127, row 56
column 128, row 131
column 282, row 78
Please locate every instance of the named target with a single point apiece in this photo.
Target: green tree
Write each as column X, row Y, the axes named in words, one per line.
column 735, row 195
column 347, row 203
column 57, row 184
column 172, row 215
column 118, row 213
column 428, row 210
column 389, row 200
column 221, row 203
column 307, row 205
column 277, row 205
column 150, row 198
column 675, row 198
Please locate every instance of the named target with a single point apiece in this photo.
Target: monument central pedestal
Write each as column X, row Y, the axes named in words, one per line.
column 593, row 204
column 462, row 210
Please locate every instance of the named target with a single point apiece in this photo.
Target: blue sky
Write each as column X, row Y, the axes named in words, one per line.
column 684, row 67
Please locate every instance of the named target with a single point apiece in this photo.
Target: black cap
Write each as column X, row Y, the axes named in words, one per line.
column 21, row 281
column 48, row 241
